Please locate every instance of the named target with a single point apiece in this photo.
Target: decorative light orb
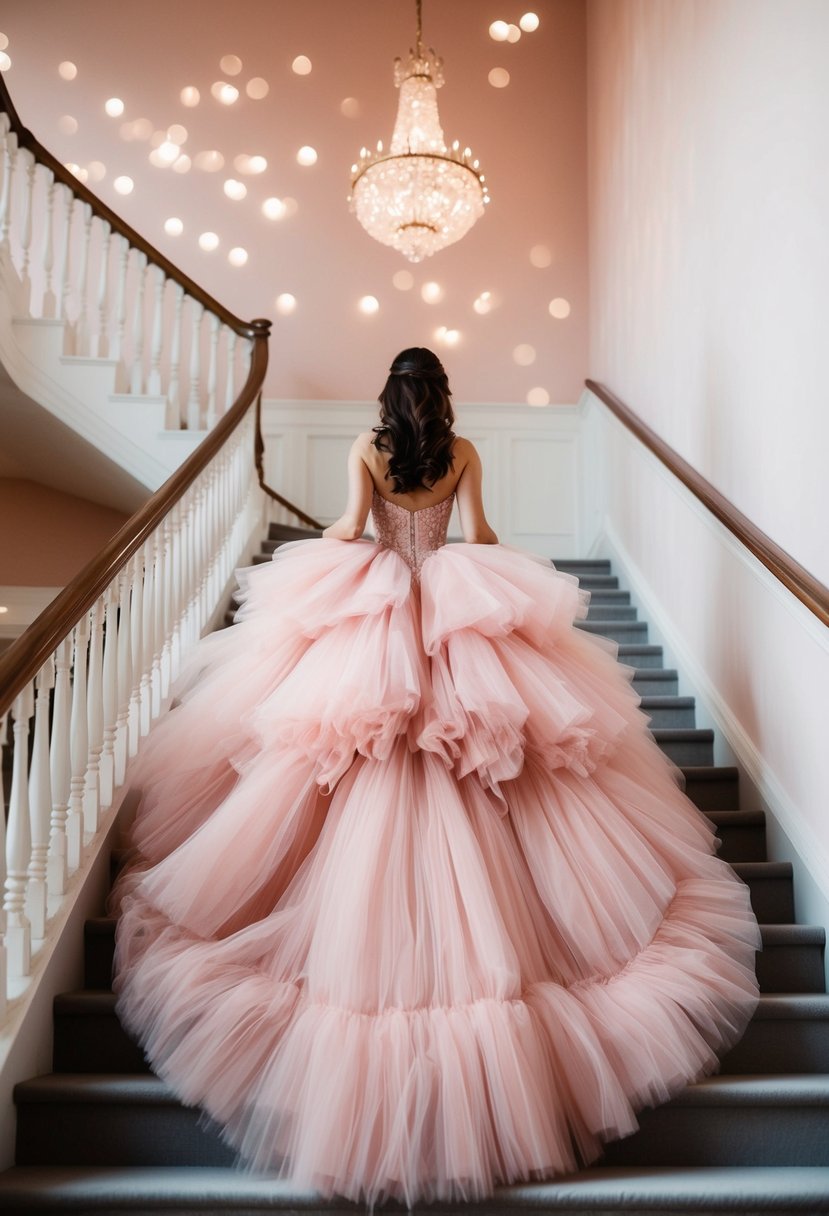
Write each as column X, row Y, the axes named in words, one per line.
column 183, row 164
column 498, row 78
column 369, row 305
column 173, row 226
column 224, row 92
column 168, row 151
column 155, row 158
column 123, row 185
column 513, row 33
column 76, row 171
column 3, row 609
column 559, row 308
column 209, row 162
column 5, row 62
column 142, row 128
column 114, row 107
column 231, row 64
column 431, row 292
column 349, row 107
column 67, row 70
column 177, row 134
column 274, row 209
column 447, row 337
column 306, row 155
column 524, row 354
column 97, row 170
column 4, row 42
column 538, row 396
column 67, row 124
column 301, row 65
column 285, row 304
column 237, row 256
column 208, row 241
column 529, row 23
column 540, row 256
column 190, row 96
column 235, row 190
column 483, row 303
column 403, row 280
column 257, row 88
column 250, row 164
column 498, row 31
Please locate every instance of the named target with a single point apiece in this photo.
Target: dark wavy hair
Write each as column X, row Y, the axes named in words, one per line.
column 416, row 421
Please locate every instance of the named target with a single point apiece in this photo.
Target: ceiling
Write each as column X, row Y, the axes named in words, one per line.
column 530, row 138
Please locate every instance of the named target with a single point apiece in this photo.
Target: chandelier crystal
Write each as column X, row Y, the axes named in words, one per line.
column 420, row 196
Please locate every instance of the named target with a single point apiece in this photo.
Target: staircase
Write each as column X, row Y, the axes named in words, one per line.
column 101, row 1133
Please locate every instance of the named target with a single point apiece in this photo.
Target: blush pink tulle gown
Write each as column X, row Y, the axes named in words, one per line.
column 419, row 906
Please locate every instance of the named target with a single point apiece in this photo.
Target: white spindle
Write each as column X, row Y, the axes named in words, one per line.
column 100, row 342
column 9, row 151
column 154, row 377
column 40, row 805
column 81, row 343
column 78, row 748
column 117, row 347
column 137, row 658
column 94, row 719
column 60, row 767
column 212, row 371
column 49, row 307
column 26, row 232
column 64, row 285
column 124, row 673
column 194, row 399
column 175, row 420
column 230, row 387
column 109, row 696
column 147, row 638
column 137, row 375
column 18, row 843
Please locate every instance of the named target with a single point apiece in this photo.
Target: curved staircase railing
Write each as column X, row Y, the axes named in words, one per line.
column 83, row 684
column 796, row 578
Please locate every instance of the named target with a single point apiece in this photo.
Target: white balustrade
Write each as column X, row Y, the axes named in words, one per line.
column 108, row 681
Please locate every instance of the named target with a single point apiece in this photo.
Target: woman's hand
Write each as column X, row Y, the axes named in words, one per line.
column 343, row 529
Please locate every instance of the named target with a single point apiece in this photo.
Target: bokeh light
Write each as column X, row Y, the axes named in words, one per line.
column 484, row 303
column 274, row 209
column 403, row 280
column 238, row 256
column 301, row 65
column 513, row 33
column 306, row 155
column 210, row 161
column 183, row 164
column 447, row 337
column 224, row 93
column 190, row 96
column 529, row 23
column 349, row 107
column 67, row 124
column 559, row 308
column 177, row 134
column 230, row 64
column 173, row 226
column 431, row 292
column 285, row 304
column 5, row 61
column 498, row 31
column 235, row 189
column 257, row 88
column 208, row 241
column 97, row 170
column 524, row 354
column 538, row 396
column 123, row 185
column 540, row 256
column 369, row 305
column 114, row 107
column 67, row 70
column 498, row 78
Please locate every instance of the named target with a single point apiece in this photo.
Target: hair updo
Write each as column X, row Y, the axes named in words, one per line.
column 416, row 421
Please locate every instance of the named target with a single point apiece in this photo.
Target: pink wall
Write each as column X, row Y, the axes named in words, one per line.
column 529, row 136
column 46, row 536
column 709, row 246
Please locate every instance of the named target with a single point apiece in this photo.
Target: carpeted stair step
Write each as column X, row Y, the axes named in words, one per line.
column 742, row 833
column 772, row 892
column 792, row 958
column 686, row 746
column 611, row 612
column 788, row 1034
column 598, row 582
column 291, row 532
column 90, row 1038
column 725, row 1120
column 629, row 633
column 111, row 1119
column 678, row 713
column 712, row 787
column 99, row 944
column 640, row 654
column 609, row 596
column 655, row 681
column 582, row 565
column 709, row 1191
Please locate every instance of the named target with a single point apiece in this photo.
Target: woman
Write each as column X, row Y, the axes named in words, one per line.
column 419, row 905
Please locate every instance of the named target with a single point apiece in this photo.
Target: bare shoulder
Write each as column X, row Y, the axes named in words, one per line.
column 464, row 451
column 363, row 442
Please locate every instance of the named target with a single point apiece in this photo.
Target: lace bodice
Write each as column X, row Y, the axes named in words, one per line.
column 412, row 534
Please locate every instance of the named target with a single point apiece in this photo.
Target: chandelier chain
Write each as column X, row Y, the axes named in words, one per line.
column 419, row 6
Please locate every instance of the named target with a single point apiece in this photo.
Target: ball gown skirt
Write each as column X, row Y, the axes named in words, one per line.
column 417, row 906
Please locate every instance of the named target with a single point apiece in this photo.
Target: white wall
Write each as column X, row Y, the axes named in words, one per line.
column 708, row 143
column 531, row 458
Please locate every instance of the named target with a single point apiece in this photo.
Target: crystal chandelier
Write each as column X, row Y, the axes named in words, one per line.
column 420, row 196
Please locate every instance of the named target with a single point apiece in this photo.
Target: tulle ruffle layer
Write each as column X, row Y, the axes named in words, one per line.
column 419, row 906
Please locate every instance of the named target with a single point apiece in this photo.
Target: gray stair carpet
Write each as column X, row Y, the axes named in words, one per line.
column 101, row 1133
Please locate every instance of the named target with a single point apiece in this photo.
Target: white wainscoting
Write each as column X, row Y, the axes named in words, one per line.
column 531, row 459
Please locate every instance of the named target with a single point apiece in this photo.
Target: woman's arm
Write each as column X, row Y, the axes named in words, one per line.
column 476, row 530
column 352, row 522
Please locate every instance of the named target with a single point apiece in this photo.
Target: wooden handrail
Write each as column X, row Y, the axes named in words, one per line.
column 22, row 661
column 796, row 578
column 26, row 139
